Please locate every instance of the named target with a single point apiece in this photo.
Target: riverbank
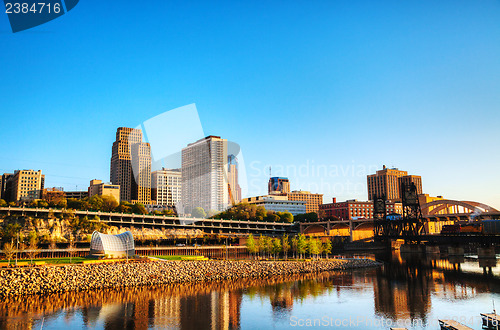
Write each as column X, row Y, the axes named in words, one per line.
column 57, row 279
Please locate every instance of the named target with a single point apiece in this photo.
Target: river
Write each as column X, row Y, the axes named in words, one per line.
column 411, row 291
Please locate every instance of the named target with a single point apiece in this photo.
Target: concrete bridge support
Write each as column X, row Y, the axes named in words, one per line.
column 486, row 252
column 412, row 248
column 432, row 249
column 455, row 251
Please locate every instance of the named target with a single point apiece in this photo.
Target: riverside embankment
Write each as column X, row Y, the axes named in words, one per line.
column 54, row 279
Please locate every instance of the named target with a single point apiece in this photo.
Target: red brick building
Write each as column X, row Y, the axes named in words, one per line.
column 353, row 208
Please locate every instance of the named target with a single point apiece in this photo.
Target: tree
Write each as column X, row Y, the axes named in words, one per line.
column 268, row 245
column 286, row 217
column 306, row 217
column 71, row 248
column 314, row 246
column 310, row 246
column 271, row 217
column 139, row 208
column 212, row 213
column 33, row 249
column 260, row 244
column 9, row 249
column 276, row 246
column 73, row 203
column 21, row 247
column 198, row 212
column 52, row 246
column 285, row 245
column 125, row 207
column 260, row 213
column 301, row 245
column 10, row 231
column 96, row 203
column 295, row 241
column 327, row 247
column 251, row 246
column 109, row 203
column 3, row 203
column 169, row 212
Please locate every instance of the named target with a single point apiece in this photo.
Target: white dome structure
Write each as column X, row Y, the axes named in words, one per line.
column 120, row 245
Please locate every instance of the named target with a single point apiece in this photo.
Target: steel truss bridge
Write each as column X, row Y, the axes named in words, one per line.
column 467, row 211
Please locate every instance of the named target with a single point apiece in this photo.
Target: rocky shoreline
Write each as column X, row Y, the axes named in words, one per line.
column 57, row 279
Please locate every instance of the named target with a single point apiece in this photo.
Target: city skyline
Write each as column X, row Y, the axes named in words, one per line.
column 345, row 86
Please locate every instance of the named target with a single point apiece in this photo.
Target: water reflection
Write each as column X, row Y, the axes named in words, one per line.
column 407, row 287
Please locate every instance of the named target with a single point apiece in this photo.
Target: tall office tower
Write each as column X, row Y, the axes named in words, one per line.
column 408, row 179
column 131, row 165
column 204, row 175
column 6, row 187
column 387, row 182
column 278, row 185
column 166, row 187
column 25, row 185
column 232, row 174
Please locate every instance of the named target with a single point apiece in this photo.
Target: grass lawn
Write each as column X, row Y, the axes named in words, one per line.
column 178, row 257
column 65, row 260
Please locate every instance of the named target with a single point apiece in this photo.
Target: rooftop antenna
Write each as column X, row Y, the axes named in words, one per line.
column 270, row 173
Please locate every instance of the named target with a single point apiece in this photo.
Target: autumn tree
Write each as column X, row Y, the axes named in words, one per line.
column 327, row 247
column 276, row 247
column 251, row 246
column 109, row 203
column 285, row 245
column 9, row 249
column 33, row 249
column 301, row 245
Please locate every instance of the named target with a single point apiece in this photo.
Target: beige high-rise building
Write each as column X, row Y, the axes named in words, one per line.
column 26, row 185
column 204, row 175
column 131, row 165
column 387, row 182
column 232, row 174
column 97, row 187
column 166, row 186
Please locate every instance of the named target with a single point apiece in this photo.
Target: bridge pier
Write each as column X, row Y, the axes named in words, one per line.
column 455, row 251
column 486, row 252
column 412, row 248
column 432, row 249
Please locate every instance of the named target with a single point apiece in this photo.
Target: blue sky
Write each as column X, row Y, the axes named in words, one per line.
column 339, row 87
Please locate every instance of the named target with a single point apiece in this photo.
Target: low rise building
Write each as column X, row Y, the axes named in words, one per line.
column 97, row 187
column 313, row 201
column 53, row 195
column 77, row 194
column 277, row 203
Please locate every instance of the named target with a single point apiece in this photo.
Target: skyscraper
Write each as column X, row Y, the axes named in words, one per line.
column 204, row 175
column 387, row 182
column 131, row 165
column 234, row 186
